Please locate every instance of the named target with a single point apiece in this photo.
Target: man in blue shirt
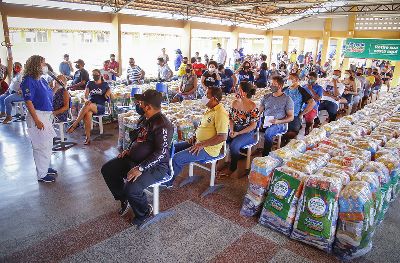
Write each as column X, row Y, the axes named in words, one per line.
column 228, row 79
column 65, row 67
column 81, row 76
column 316, row 92
column 178, row 59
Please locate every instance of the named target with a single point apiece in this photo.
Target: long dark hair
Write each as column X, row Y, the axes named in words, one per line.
column 247, row 88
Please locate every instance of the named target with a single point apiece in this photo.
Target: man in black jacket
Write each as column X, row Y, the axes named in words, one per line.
column 144, row 163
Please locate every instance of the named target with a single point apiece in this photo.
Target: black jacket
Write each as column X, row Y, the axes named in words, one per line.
column 153, row 141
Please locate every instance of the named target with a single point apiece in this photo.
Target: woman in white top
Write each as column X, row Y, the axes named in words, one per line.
column 13, row 94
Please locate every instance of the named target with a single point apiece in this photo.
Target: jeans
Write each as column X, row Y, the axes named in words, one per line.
column 114, row 172
column 330, row 107
column 5, row 101
column 183, row 156
column 269, row 134
column 236, row 144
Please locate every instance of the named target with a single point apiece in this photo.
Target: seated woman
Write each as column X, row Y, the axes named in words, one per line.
column 188, row 86
column 243, row 118
column 245, row 72
column 61, row 100
column 350, row 89
column 97, row 92
column 13, row 94
column 262, row 76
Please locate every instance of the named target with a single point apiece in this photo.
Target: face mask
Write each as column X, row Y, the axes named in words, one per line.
column 311, row 81
column 211, row 70
column 139, row 110
column 96, row 77
column 246, row 67
column 346, row 76
column 359, row 74
column 188, row 71
column 45, row 70
column 335, row 77
column 205, row 100
column 274, row 89
column 77, row 66
column 289, row 82
column 17, row 69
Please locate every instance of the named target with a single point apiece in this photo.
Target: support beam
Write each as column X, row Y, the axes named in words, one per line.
column 268, row 47
column 187, row 40
column 325, row 39
column 339, row 44
column 5, row 53
column 302, row 41
column 116, row 39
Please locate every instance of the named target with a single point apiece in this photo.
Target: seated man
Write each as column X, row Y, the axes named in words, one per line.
column 278, row 110
column 144, row 163
column 332, row 93
column 210, row 135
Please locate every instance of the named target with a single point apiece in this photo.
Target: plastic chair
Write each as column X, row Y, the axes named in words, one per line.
column 279, row 136
column 19, row 110
column 250, row 146
column 157, row 215
column 100, row 117
column 194, row 178
column 59, row 143
column 163, row 88
column 135, row 90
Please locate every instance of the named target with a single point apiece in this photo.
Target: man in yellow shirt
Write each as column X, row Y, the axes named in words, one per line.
column 182, row 67
column 210, row 135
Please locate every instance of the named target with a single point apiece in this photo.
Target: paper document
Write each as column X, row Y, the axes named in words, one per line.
column 267, row 121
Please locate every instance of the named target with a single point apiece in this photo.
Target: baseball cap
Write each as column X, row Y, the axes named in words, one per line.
column 151, row 97
column 80, row 61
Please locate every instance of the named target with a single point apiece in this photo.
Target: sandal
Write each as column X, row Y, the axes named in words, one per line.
column 87, row 141
column 223, row 175
column 72, row 128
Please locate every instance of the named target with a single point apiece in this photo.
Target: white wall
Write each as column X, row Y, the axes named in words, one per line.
column 304, row 24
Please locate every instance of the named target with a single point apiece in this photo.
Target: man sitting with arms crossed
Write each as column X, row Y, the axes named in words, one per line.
column 210, row 135
column 278, row 110
column 144, row 163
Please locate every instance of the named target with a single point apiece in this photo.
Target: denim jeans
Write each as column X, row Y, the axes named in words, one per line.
column 236, row 144
column 269, row 134
column 183, row 156
column 330, row 107
column 5, row 101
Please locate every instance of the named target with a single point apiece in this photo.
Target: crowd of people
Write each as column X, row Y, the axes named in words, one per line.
column 300, row 89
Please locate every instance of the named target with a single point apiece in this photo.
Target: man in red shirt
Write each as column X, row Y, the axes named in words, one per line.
column 114, row 65
column 198, row 67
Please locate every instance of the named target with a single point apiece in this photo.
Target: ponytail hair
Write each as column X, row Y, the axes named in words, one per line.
column 248, row 88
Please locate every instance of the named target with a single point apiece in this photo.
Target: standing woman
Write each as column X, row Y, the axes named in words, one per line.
column 97, row 92
column 38, row 97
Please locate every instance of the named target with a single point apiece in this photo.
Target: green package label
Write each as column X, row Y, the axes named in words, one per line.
column 367, row 224
column 317, row 211
column 281, row 193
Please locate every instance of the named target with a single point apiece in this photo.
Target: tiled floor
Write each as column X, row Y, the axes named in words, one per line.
column 75, row 219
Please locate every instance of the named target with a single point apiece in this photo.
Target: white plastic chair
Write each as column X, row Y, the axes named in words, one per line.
column 19, row 110
column 100, row 117
column 194, row 178
column 279, row 136
column 250, row 146
column 60, row 143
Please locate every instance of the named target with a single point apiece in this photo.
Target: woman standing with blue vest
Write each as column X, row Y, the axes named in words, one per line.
column 38, row 97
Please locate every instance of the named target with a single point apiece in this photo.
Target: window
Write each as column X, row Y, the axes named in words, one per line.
column 100, row 37
column 86, row 37
column 41, row 36
column 15, row 36
column 30, row 36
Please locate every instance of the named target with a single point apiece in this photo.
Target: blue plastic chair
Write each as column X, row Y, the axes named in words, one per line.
column 157, row 216
column 135, row 90
column 163, row 88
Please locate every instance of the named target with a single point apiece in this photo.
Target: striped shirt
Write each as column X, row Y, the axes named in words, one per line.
column 133, row 74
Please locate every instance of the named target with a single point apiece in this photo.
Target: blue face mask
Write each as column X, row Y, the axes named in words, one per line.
column 311, row 81
column 139, row 110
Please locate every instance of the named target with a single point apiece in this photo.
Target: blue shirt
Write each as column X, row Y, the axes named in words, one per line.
column 178, row 61
column 39, row 92
column 264, row 75
column 317, row 89
column 97, row 92
column 226, row 78
column 64, row 69
column 299, row 97
column 246, row 76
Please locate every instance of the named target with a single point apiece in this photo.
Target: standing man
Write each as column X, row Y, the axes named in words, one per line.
column 144, row 163
column 65, row 67
column 134, row 74
column 300, row 59
column 81, row 76
column 178, row 59
column 278, row 110
column 220, row 55
column 114, row 67
column 164, row 55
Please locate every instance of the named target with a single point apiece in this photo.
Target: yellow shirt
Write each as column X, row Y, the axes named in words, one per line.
column 293, row 57
column 371, row 79
column 215, row 121
column 182, row 70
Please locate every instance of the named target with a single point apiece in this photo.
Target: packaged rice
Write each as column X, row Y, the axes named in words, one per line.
column 392, row 163
column 348, row 160
column 315, row 136
column 343, row 176
column 259, row 179
column 317, row 211
column 293, row 149
column 363, row 154
column 356, row 218
column 281, row 202
column 370, row 145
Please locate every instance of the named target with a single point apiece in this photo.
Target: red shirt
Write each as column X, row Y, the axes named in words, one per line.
column 198, row 69
column 114, row 65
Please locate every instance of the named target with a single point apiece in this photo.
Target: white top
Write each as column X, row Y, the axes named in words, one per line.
column 165, row 73
column 220, row 55
column 107, row 75
column 15, row 84
column 328, row 86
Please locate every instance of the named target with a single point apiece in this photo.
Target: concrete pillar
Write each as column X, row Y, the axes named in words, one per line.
column 339, row 44
column 396, row 75
column 234, row 43
column 285, row 43
column 326, row 39
column 268, row 46
column 350, row 34
column 187, row 40
column 116, row 39
column 301, row 43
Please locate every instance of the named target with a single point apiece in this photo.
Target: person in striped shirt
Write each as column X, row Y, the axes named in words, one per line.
column 134, row 73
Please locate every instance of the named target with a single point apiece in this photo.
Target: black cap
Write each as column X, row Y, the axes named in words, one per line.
column 80, row 61
column 151, row 97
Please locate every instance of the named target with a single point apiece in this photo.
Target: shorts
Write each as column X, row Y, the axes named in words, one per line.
column 309, row 117
column 101, row 109
column 295, row 125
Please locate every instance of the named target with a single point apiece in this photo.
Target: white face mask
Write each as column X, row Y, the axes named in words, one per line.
column 205, row 100
column 335, row 77
column 289, row 82
column 45, row 70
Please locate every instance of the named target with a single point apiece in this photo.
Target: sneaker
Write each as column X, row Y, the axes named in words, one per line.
column 7, row 119
column 47, row 179
column 51, row 171
column 124, row 208
column 139, row 221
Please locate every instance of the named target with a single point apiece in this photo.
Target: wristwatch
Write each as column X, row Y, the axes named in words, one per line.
column 140, row 169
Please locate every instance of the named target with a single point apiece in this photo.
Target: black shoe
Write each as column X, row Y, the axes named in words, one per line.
column 124, row 208
column 140, row 221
